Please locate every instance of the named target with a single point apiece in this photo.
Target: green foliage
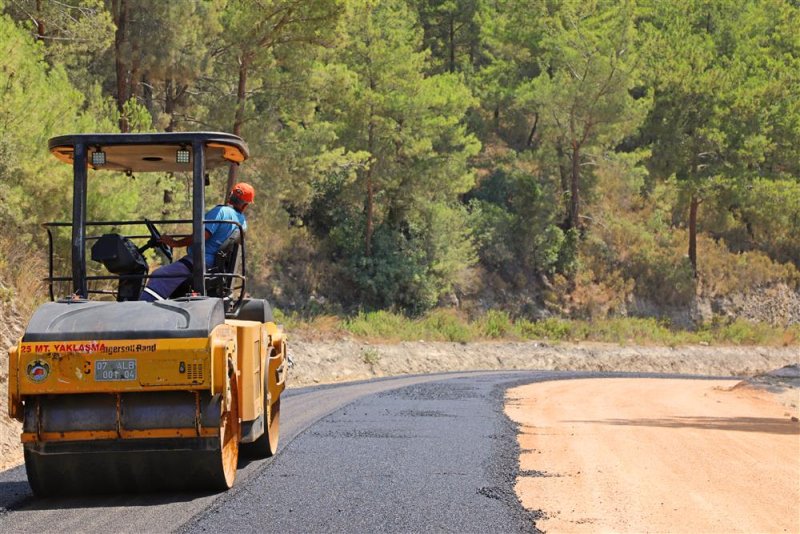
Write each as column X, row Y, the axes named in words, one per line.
column 768, row 212
column 409, row 268
column 723, row 74
column 37, row 101
column 393, row 225
column 495, row 325
column 725, row 111
column 551, row 329
column 588, row 68
column 258, row 80
column 73, row 33
column 742, row 273
column 438, row 325
column 653, row 259
column 511, row 39
column 379, row 325
column 568, row 73
column 527, row 156
column 370, row 356
column 395, row 272
column 451, row 32
column 515, row 216
column 741, row 332
column 162, row 76
column 445, row 325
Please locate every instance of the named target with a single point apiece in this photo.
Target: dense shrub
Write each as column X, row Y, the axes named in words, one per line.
column 448, row 325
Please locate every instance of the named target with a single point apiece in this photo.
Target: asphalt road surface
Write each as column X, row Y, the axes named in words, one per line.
column 423, row 453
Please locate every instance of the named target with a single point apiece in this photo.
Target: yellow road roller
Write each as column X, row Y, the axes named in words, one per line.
column 121, row 395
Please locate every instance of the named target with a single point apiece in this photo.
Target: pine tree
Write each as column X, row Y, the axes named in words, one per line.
column 724, row 107
column 253, row 31
column 402, row 202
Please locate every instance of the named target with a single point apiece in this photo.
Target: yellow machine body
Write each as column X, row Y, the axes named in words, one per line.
column 188, row 373
column 191, row 364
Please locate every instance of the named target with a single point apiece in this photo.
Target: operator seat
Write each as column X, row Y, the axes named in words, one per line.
column 224, row 263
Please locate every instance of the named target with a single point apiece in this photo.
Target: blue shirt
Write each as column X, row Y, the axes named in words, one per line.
column 219, row 231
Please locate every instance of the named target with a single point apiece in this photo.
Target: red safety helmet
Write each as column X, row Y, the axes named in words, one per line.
column 243, row 193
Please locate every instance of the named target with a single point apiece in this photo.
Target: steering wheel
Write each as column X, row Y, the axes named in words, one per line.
column 155, row 241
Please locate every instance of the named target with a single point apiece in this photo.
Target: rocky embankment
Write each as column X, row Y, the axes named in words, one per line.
column 332, row 361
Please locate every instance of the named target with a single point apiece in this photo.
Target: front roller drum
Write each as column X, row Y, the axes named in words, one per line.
column 61, row 468
column 267, row 444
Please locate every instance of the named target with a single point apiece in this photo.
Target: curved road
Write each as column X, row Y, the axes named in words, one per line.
column 417, row 453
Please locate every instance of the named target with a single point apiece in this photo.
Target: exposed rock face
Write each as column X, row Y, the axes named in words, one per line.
column 777, row 305
column 11, row 322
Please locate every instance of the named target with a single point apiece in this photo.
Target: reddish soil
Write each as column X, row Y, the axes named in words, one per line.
column 658, row 455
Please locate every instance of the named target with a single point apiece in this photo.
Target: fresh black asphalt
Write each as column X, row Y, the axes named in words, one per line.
column 436, row 456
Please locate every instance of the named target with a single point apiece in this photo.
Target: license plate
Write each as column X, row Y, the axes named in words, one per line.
column 115, row 370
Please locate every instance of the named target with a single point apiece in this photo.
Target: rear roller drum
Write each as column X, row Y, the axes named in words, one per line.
column 136, row 465
column 41, row 484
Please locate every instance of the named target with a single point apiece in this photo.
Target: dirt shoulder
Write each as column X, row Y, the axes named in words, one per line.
column 319, row 362
column 656, row 455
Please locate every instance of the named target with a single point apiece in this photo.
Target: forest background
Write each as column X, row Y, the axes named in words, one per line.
column 508, row 161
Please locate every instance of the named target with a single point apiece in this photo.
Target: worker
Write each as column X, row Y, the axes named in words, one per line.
column 241, row 196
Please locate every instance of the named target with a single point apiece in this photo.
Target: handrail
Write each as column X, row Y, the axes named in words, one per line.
column 50, row 263
column 115, row 223
column 51, row 278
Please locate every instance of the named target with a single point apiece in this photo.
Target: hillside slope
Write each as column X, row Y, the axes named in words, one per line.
column 11, row 326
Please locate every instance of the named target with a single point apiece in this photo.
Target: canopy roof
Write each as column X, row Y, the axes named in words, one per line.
column 151, row 152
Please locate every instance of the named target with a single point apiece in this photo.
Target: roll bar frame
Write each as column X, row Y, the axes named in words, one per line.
column 81, row 145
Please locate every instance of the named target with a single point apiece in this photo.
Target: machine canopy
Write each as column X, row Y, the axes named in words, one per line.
column 151, row 152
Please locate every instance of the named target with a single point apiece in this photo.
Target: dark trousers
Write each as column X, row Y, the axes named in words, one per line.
column 162, row 288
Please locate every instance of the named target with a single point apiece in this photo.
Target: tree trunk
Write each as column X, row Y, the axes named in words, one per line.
column 120, row 10
column 147, row 96
column 370, row 208
column 238, row 120
column 451, row 34
column 693, row 233
column 532, row 135
column 169, row 103
column 136, row 63
column 574, row 188
column 39, row 21
column 563, row 173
